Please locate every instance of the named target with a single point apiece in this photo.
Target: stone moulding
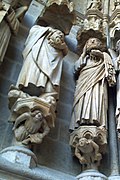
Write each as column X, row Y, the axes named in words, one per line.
column 114, row 22
column 98, row 134
column 96, row 12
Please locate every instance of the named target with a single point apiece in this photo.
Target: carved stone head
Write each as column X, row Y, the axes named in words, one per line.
column 83, row 142
column 37, row 115
column 93, row 43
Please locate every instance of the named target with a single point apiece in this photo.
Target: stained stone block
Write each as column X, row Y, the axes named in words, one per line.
column 55, row 132
column 20, row 155
column 64, row 132
column 10, row 70
column 18, row 41
column 66, row 94
column 64, row 111
column 4, row 85
column 14, row 55
column 4, row 112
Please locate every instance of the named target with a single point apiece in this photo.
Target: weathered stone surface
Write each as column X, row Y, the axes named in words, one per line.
column 19, row 155
column 91, row 175
column 56, row 155
column 39, row 173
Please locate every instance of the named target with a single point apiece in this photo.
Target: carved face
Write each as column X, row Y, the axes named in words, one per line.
column 57, row 37
column 83, row 142
column 37, row 116
column 118, row 46
column 93, row 43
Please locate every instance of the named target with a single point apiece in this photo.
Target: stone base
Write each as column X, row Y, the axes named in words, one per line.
column 91, row 175
column 114, row 178
column 20, row 155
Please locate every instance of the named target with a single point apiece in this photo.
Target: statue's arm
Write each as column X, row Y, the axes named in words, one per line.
column 46, row 128
column 77, row 153
column 114, row 57
column 20, row 119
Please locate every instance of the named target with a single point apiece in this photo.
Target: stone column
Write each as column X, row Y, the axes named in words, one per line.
column 113, row 146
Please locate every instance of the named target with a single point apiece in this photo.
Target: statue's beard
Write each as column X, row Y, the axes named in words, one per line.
column 93, row 47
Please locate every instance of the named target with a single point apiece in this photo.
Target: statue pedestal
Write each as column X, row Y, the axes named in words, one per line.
column 91, row 175
column 20, row 155
column 114, row 177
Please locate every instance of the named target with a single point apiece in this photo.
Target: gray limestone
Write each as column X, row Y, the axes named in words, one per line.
column 91, row 175
column 19, row 155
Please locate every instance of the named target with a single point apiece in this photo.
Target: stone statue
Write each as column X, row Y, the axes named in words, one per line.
column 9, row 23
column 118, row 87
column 43, row 53
column 33, row 100
column 95, row 4
column 95, row 70
column 116, row 59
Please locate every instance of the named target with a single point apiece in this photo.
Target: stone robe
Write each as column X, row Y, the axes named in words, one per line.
column 42, row 63
column 90, row 101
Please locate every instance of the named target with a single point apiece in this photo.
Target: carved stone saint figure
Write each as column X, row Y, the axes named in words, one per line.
column 95, row 70
column 118, row 86
column 43, row 53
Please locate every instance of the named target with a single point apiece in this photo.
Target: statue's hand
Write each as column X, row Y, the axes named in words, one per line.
column 83, row 160
column 95, row 52
column 84, row 52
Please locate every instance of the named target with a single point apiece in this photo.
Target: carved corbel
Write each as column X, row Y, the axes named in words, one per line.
column 32, row 116
column 89, row 143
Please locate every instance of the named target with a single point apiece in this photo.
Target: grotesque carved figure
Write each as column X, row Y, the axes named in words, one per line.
column 87, row 151
column 95, row 69
column 31, row 127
